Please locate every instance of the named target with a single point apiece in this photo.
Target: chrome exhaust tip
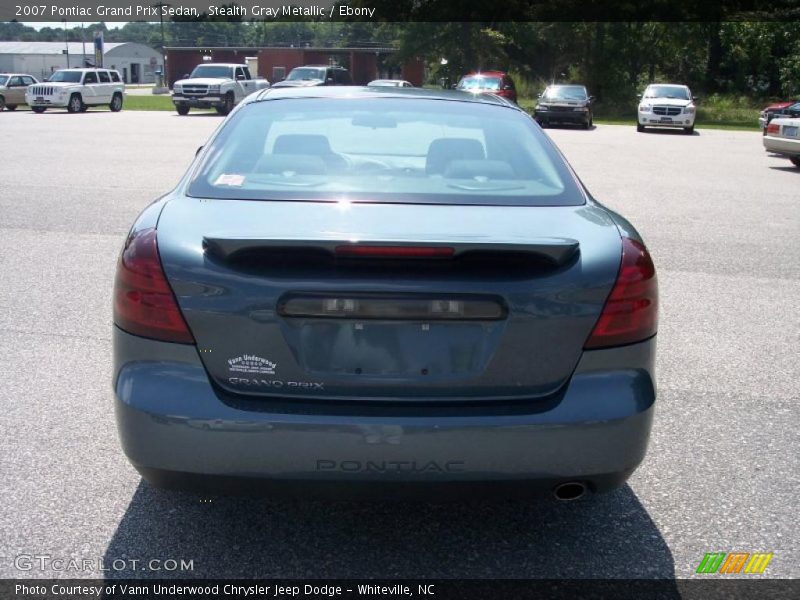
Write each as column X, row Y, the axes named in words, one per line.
column 572, row 490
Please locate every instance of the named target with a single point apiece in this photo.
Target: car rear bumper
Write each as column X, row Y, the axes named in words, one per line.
column 178, row 429
column 781, row 145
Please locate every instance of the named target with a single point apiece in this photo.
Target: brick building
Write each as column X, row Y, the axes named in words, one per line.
column 274, row 63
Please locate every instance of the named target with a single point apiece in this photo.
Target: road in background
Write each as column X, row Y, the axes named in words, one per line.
column 722, row 219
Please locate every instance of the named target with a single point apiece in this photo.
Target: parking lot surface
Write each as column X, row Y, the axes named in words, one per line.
column 722, row 220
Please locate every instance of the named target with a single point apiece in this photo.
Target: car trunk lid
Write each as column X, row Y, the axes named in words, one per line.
column 388, row 301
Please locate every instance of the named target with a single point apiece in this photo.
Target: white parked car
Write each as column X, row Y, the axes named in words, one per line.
column 401, row 83
column 215, row 85
column 783, row 137
column 666, row 105
column 77, row 90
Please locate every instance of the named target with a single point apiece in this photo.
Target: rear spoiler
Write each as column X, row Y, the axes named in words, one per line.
column 557, row 251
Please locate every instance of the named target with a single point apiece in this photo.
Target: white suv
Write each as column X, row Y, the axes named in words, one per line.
column 77, row 90
column 666, row 105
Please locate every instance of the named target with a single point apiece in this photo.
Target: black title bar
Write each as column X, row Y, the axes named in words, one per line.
column 400, row 10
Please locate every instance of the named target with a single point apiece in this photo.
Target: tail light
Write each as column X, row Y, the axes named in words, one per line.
column 143, row 301
column 773, row 128
column 631, row 311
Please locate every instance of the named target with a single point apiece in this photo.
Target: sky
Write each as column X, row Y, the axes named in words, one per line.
column 39, row 25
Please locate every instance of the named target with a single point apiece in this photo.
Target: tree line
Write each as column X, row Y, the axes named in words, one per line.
column 757, row 59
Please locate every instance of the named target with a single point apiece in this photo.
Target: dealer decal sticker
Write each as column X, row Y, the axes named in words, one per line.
column 248, row 363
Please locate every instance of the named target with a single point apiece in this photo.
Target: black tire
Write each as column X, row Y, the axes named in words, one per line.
column 2, row 103
column 639, row 127
column 11, row 107
column 795, row 161
column 182, row 109
column 75, row 104
column 226, row 108
column 116, row 103
column 587, row 125
column 688, row 130
column 38, row 109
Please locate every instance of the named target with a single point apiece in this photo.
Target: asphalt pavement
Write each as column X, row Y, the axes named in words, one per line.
column 722, row 219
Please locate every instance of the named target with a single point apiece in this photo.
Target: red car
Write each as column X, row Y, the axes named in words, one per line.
column 766, row 115
column 489, row 82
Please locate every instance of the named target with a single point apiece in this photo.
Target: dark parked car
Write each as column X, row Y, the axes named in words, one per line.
column 489, row 82
column 316, row 75
column 565, row 104
column 384, row 288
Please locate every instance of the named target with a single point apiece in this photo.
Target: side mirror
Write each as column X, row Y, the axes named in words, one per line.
column 185, row 76
column 638, row 95
column 240, row 77
column 540, row 95
column 508, row 87
column 695, row 98
column 198, row 150
column 329, row 80
column 591, row 98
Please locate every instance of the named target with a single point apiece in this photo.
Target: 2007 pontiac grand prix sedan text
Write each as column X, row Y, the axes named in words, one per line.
column 385, row 289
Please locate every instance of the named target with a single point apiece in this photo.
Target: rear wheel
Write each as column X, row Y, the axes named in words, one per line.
column 182, row 109
column 795, row 161
column 116, row 103
column 11, row 107
column 38, row 109
column 2, row 103
column 75, row 104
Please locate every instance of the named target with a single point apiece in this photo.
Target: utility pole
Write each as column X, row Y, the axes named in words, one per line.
column 160, row 5
column 66, row 42
column 83, row 43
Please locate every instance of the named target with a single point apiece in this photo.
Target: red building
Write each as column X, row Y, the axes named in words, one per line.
column 364, row 64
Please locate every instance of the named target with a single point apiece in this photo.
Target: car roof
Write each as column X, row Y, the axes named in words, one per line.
column 486, row 74
column 376, row 92
column 82, row 69
column 320, row 67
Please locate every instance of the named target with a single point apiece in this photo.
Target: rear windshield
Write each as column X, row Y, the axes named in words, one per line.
column 66, row 77
column 479, row 83
column 384, row 150
column 3, row 79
